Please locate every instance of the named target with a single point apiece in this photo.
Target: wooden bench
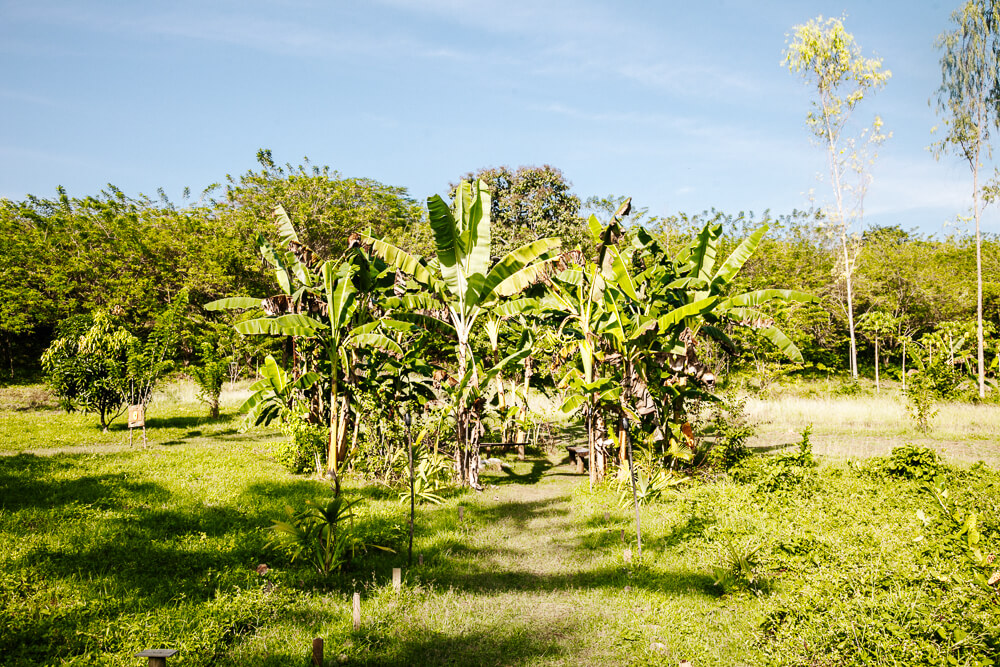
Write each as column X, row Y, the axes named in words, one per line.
column 489, row 446
column 579, row 454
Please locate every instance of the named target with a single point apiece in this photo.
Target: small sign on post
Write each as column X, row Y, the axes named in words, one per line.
column 136, row 416
column 397, row 577
column 136, row 419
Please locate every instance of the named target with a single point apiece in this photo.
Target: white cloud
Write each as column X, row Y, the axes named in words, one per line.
column 27, row 98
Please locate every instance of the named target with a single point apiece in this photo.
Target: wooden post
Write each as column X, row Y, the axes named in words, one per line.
column 607, row 516
column 520, row 451
column 420, row 559
column 397, row 577
column 317, row 656
column 157, row 656
column 579, row 464
column 357, row 611
column 461, row 513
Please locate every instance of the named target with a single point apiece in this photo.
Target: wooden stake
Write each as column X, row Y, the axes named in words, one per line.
column 357, row 611
column 420, row 559
column 157, row 656
column 461, row 513
column 397, row 577
column 317, row 652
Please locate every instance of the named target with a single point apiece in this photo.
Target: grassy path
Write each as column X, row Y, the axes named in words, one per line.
column 533, row 575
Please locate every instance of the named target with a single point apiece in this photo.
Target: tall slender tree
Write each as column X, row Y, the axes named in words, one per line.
column 827, row 57
column 969, row 101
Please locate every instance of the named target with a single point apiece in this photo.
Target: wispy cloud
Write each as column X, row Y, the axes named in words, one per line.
column 26, row 98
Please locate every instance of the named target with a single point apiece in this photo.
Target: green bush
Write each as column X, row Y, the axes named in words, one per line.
column 911, row 462
column 781, row 474
column 732, row 429
column 305, row 442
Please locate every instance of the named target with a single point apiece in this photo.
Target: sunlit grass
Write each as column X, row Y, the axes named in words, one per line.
column 105, row 550
column 32, row 421
column 871, row 425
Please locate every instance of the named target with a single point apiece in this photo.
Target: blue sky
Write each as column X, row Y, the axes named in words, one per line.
column 683, row 106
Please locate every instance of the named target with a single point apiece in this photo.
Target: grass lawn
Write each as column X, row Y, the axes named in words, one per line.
column 106, row 550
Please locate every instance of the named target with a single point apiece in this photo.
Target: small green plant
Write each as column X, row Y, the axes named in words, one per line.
column 911, row 462
column 431, row 474
column 956, row 538
column 742, row 569
column 921, row 393
column 781, row 474
column 732, row 429
column 210, row 375
column 648, row 488
column 805, row 456
column 849, row 387
column 320, row 534
column 306, row 441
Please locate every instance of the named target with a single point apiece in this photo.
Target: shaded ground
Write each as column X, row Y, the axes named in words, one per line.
column 532, row 575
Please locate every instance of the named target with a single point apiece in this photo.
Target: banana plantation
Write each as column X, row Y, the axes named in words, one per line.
column 455, row 339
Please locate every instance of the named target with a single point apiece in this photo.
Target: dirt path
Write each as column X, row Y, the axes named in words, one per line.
column 535, row 575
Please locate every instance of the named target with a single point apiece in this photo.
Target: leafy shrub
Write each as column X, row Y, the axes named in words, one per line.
column 321, row 534
column 431, row 474
column 920, row 396
column 210, row 375
column 911, row 462
column 781, row 474
column 743, row 568
column 732, row 429
column 649, row 488
column 849, row 387
column 305, row 442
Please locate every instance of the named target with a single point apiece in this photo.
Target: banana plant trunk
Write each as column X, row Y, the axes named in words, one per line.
column 467, row 432
column 339, row 406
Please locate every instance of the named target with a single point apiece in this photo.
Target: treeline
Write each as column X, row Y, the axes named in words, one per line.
column 908, row 286
column 131, row 256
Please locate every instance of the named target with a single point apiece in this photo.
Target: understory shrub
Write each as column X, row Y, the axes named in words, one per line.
column 432, row 474
column 921, row 394
column 323, row 534
column 306, row 442
column 785, row 473
column 911, row 462
column 742, row 569
column 731, row 428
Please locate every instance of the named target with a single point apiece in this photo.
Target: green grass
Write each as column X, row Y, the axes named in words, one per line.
column 106, row 550
column 872, row 424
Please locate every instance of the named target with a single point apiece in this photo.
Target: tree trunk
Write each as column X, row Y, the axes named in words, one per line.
column 877, row 390
column 598, row 455
column 979, row 284
column 904, row 365
column 332, row 456
column 848, row 271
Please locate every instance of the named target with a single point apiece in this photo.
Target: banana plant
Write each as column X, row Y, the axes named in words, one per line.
column 273, row 393
column 463, row 285
column 573, row 296
column 320, row 302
